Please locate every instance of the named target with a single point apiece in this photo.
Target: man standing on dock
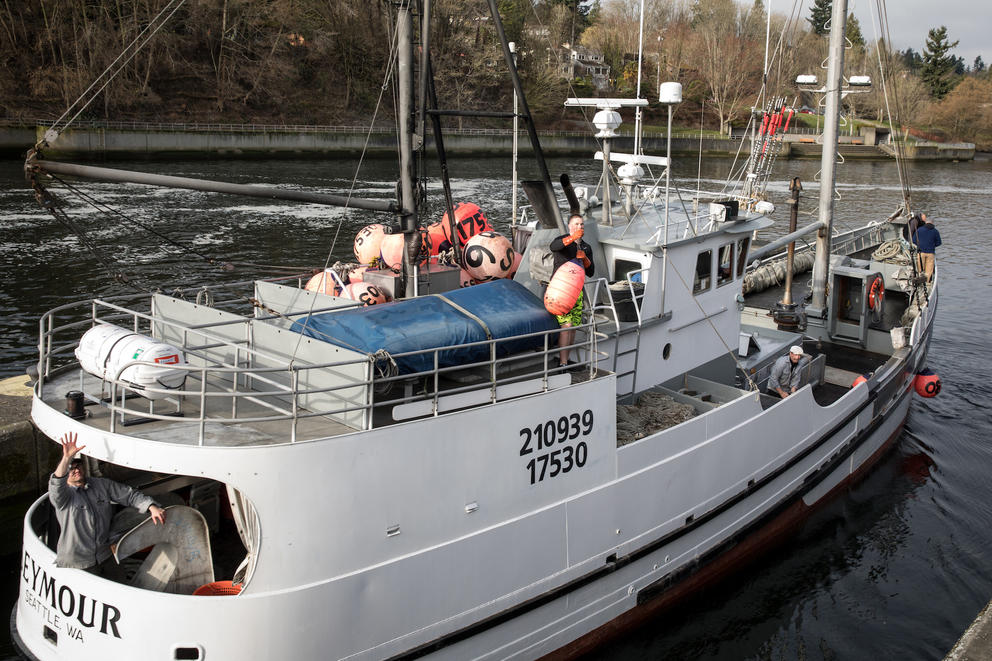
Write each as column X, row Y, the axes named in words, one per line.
column 926, row 238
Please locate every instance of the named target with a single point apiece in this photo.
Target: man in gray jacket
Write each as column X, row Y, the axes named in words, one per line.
column 787, row 373
column 84, row 508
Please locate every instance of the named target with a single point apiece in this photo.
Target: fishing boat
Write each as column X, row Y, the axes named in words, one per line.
column 423, row 477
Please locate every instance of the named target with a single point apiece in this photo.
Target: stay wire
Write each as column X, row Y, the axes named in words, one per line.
column 50, row 203
column 105, row 208
column 157, row 23
column 387, row 77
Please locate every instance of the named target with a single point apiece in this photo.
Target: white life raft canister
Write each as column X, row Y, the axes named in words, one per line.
column 105, row 349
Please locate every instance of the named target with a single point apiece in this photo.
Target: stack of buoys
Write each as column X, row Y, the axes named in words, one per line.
column 365, row 293
column 367, row 243
column 564, row 289
column 927, row 383
column 488, row 256
column 324, row 283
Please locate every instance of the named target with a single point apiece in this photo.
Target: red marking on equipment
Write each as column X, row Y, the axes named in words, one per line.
column 172, row 359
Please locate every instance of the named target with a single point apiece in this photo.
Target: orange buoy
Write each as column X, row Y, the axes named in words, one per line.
column 861, row 379
column 367, row 242
column 426, row 243
column 391, row 251
column 438, row 239
column 365, row 293
column 469, row 221
column 517, row 258
column 564, row 288
column 218, row 589
column 324, row 283
column 465, row 279
column 357, row 274
column 927, row 383
column 488, row 256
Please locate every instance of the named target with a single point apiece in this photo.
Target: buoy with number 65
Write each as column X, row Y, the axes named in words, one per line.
column 927, row 383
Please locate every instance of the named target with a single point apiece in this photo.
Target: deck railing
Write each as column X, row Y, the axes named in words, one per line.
column 279, row 390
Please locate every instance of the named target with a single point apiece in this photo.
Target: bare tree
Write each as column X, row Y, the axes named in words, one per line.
column 729, row 63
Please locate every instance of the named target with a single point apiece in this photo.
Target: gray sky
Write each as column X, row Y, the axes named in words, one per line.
column 967, row 21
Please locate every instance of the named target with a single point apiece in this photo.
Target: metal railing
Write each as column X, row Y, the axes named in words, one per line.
column 199, row 127
column 277, row 391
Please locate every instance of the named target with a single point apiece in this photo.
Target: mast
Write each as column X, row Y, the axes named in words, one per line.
column 408, row 202
column 835, row 71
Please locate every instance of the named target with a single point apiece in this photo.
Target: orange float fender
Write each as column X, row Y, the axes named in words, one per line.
column 564, row 288
column 367, row 242
column 391, row 251
column 323, row 283
column 469, row 221
column 365, row 293
column 927, row 383
column 488, row 256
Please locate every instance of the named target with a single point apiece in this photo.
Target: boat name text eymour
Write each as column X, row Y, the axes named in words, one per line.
column 546, row 434
column 60, row 605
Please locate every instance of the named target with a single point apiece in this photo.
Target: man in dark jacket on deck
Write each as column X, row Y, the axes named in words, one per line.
column 565, row 248
column 926, row 238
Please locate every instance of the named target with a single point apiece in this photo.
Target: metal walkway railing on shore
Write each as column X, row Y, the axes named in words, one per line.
column 202, row 127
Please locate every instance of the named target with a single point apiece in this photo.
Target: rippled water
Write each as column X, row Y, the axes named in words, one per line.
column 896, row 568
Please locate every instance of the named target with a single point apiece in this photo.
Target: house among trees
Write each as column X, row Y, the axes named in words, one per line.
column 581, row 62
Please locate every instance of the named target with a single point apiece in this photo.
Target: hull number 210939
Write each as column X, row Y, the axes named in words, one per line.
column 561, row 433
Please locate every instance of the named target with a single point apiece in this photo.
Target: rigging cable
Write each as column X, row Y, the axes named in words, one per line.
column 387, row 77
column 899, row 154
column 154, row 25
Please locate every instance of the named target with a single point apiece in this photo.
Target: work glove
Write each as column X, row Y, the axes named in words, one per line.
column 572, row 238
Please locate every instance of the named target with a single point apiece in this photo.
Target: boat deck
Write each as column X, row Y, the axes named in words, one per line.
column 185, row 429
column 177, row 419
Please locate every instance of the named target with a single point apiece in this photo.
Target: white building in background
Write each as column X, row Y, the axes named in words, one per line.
column 581, row 62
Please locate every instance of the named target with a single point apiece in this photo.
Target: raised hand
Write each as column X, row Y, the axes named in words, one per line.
column 69, row 447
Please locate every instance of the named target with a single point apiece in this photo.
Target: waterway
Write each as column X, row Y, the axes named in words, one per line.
column 895, row 568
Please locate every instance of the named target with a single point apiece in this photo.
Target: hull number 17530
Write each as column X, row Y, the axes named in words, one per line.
column 561, row 432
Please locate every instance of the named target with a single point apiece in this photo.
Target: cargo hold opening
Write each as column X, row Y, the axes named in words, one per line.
column 206, row 547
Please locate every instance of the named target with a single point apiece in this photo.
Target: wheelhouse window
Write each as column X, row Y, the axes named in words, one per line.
column 725, row 266
column 704, row 272
column 742, row 246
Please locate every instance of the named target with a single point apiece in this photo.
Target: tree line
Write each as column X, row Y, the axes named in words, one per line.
column 326, row 61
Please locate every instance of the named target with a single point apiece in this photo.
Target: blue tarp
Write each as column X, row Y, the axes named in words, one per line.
column 507, row 308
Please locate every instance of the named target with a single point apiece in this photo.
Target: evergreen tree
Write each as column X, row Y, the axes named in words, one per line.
column 938, row 63
column 911, row 59
column 979, row 65
column 854, row 34
column 819, row 15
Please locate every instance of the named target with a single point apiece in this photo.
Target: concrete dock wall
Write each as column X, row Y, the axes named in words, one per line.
column 27, row 457
column 121, row 140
